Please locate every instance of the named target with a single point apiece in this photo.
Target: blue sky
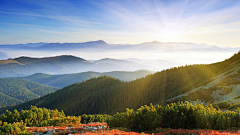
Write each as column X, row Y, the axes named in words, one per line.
column 214, row 22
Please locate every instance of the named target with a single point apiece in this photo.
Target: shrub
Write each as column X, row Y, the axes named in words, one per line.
column 223, row 104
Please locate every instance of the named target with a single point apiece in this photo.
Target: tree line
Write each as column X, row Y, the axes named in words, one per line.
column 146, row 118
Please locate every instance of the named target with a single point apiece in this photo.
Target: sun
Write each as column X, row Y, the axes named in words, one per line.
column 169, row 34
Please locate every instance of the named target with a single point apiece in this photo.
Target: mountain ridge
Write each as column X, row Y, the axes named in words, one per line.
column 64, row 80
column 63, row 64
column 100, row 43
column 109, row 95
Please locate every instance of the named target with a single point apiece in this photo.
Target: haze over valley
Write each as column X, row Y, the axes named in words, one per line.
column 153, row 56
column 151, row 67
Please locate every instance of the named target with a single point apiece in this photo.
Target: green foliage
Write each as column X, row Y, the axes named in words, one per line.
column 15, row 91
column 146, row 118
column 237, row 97
column 39, row 117
column 176, row 115
column 233, row 105
column 215, row 106
column 205, row 94
column 13, row 128
column 95, row 118
column 224, row 104
column 16, row 122
column 6, row 100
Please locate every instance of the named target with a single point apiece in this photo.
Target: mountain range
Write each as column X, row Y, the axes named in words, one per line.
column 109, row 95
column 63, row 64
column 19, row 46
column 102, row 45
column 163, row 55
column 64, row 80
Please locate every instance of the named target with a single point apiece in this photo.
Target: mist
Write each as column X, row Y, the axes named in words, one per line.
column 157, row 56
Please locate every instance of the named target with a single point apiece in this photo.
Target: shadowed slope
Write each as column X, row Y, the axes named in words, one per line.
column 61, row 81
column 109, row 95
column 6, row 100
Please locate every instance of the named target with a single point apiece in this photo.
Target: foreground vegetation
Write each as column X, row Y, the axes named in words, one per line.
column 16, row 122
column 167, row 131
column 175, row 116
column 147, row 118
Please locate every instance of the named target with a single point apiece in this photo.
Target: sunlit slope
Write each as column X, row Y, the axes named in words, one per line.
column 15, row 91
column 224, row 87
column 61, row 81
column 109, row 95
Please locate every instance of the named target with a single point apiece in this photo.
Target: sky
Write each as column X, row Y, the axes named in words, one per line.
column 213, row 22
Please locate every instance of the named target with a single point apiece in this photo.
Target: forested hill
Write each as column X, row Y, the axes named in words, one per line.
column 109, row 95
column 61, row 81
column 15, row 91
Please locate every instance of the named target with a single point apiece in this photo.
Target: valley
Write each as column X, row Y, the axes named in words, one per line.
column 119, row 67
column 107, row 95
column 118, row 98
column 65, row 80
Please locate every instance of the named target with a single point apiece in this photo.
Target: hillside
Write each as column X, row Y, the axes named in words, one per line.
column 61, row 81
column 64, row 64
column 15, row 91
column 6, row 100
column 224, row 87
column 109, row 95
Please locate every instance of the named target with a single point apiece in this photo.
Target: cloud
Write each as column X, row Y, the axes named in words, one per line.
column 63, row 18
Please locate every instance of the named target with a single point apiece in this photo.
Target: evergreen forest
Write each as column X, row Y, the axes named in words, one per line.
column 107, row 95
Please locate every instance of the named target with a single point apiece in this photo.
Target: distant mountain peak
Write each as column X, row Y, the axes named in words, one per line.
column 66, row 56
column 153, row 42
column 107, row 59
column 70, row 56
column 101, row 41
column 23, row 57
column 98, row 42
column 52, row 57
